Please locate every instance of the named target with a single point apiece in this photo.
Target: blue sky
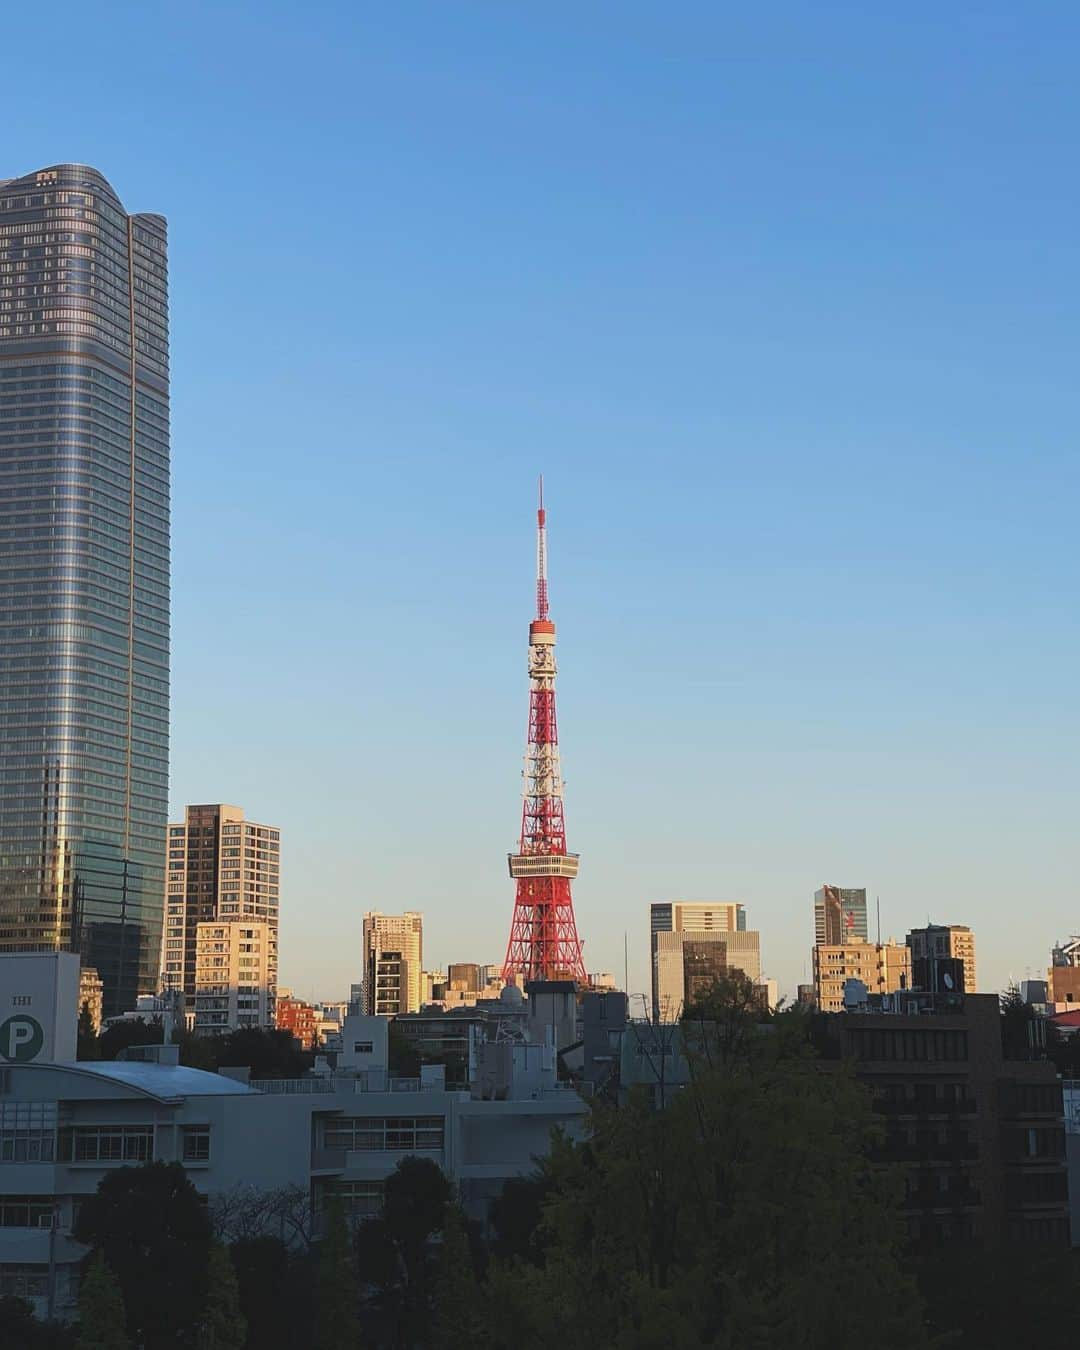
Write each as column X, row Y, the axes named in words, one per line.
column 782, row 301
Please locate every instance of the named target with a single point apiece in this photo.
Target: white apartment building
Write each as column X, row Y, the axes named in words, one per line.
column 393, row 963
column 232, row 976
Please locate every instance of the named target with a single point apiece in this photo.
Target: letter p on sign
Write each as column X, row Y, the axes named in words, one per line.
column 21, row 1038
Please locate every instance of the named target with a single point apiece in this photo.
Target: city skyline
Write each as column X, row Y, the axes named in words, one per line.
column 808, row 430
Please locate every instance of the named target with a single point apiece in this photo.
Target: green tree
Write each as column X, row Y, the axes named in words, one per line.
column 223, row 1325
column 101, row 1309
column 1023, row 1033
column 262, row 1273
column 734, row 1218
column 154, row 1232
column 88, row 1047
column 337, row 1327
column 134, row 1032
column 456, row 1304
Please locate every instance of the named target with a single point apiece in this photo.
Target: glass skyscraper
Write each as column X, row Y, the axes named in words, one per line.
column 84, row 576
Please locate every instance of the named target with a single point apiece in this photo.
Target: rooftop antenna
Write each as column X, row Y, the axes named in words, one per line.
column 879, row 920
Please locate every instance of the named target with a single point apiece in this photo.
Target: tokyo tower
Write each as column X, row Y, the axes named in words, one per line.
column 544, row 942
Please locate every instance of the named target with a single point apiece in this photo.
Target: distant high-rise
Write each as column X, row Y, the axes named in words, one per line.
column 393, row 962
column 222, row 869
column 693, row 944
column 883, row 967
column 840, row 915
column 934, row 950
column 84, row 576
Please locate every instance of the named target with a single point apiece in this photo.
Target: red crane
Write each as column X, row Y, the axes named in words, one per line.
column 544, row 943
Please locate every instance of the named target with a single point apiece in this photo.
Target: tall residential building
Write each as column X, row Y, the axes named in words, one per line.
column 934, row 948
column 222, row 869
column 393, row 962
column 693, row 944
column 232, row 977
column 840, row 915
column 84, row 576
column 884, row 967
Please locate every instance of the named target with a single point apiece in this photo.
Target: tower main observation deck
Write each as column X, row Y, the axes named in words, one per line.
column 544, row 942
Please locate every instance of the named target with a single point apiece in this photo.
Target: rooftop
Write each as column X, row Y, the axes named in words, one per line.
column 159, row 1080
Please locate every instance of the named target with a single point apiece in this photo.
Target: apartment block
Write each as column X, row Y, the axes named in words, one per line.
column 222, row 868
column 232, row 977
column 883, row 967
column 393, row 962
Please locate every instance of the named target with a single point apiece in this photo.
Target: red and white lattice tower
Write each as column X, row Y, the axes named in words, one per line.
column 544, row 942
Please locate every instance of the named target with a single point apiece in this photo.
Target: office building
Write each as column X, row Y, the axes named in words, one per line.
column 232, row 977
column 693, row 943
column 686, row 965
column 883, row 967
column 84, row 576
column 980, row 1137
column 222, row 869
column 393, row 962
column 697, row 916
column 840, row 915
column 943, row 957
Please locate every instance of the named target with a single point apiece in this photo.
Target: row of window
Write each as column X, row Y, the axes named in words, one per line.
column 371, row 1133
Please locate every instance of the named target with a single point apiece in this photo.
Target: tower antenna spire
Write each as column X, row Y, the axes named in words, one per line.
column 541, row 556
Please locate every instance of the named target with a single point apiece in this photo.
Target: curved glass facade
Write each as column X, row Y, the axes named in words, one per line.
column 84, row 576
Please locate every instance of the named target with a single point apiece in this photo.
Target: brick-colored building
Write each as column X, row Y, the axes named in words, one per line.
column 294, row 1015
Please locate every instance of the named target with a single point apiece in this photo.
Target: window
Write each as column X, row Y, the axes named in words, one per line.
column 407, row 1134
column 27, row 1132
column 23, row 1280
column 26, row 1211
column 363, row 1047
column 107, row 1143
column 196, row 1143
column 361, row 1199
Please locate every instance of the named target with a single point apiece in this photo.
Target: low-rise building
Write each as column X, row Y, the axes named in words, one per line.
column 1063, row 976
column 63, row 1127
column 299, row 1018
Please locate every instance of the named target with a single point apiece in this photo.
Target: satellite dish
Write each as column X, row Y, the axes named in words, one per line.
column 948, row 980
